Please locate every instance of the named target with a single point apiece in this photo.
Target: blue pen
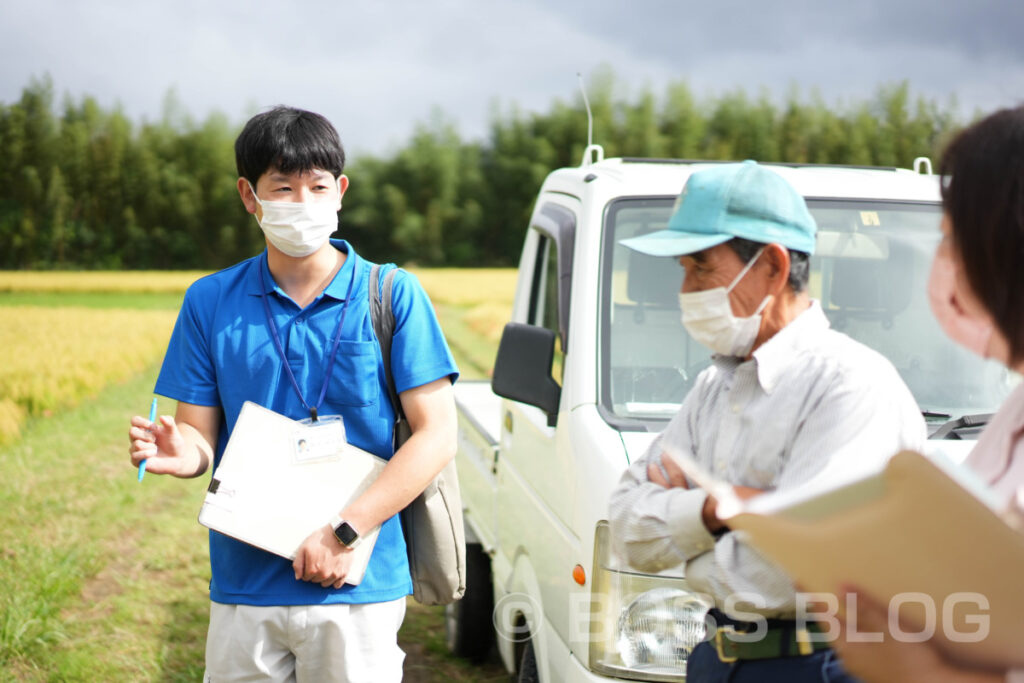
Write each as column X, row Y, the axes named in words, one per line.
column 152, row 418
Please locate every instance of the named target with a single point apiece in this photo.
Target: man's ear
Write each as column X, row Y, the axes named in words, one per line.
column 342, row 186
column 245, row 192
column 776, row 259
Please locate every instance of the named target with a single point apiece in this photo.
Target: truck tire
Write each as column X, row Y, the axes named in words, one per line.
column 528, row 665
column 468, row 625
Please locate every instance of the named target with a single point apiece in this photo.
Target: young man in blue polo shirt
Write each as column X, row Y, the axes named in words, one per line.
column 290, row 330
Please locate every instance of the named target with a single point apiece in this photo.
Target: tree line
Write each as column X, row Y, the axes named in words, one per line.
column 83, row 186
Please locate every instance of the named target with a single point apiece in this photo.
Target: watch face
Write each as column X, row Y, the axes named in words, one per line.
column 345, row 533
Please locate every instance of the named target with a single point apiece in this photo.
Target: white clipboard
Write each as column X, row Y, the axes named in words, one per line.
column 261, row 495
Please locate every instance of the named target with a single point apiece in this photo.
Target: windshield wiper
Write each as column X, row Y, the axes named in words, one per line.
column 932, row 413
column 948, row 430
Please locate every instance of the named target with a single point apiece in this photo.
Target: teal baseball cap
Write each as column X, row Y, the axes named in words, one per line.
column 732, row 200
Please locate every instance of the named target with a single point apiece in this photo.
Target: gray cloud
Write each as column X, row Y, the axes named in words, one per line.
column 376, row 69
column 670, row 27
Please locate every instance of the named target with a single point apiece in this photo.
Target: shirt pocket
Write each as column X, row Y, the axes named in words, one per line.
column 354, row 378
column 762, row 456
column 763, row 469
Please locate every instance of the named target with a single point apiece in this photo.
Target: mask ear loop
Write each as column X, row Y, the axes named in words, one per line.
column 764, row 302
column 259, row 203
column 746, row 269
column 253, row 190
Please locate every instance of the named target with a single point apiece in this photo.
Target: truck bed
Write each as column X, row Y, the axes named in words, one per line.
column 479, row 411
column 480, row 406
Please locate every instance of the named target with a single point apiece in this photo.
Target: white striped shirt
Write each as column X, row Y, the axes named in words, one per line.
column 810, row 398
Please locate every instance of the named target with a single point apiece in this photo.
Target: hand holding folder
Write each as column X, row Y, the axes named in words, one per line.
column 261, row 495
column 920, row 527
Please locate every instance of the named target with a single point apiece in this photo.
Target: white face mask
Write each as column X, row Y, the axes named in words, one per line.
column 297, row 228
column 709, row 319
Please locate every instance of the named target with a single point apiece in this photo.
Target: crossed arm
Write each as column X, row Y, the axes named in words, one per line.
column 670, row 475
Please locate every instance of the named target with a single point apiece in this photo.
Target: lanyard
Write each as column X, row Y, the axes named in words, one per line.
column 334, row 345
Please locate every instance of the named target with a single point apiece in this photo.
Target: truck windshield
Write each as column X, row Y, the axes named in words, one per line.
column 869, row 271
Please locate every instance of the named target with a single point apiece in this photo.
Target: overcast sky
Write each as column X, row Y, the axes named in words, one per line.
column 377, row 68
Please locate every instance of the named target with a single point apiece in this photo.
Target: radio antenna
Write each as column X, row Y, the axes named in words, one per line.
column 590, row 116
column 593, row 153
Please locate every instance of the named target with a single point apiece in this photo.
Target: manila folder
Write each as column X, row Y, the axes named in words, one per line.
column 262, row 495
column 911, row 529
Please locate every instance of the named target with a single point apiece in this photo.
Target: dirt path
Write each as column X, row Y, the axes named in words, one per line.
column 427, row 660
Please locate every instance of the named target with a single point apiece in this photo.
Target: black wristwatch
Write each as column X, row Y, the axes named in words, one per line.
column 345, row 533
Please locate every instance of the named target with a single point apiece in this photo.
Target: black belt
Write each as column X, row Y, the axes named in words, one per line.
column 780, row 638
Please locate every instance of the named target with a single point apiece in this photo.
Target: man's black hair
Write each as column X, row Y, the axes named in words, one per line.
column 799, row 261
column 289, row 140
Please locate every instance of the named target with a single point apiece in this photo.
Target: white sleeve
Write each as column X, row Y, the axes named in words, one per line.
column 856, row 425
column 653, row 527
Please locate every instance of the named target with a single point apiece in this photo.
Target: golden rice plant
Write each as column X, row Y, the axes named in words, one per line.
column 469, row 286
column 11, row 417
column 144, row 281
column 455, row 286
column 54, row 357
column 488, row 319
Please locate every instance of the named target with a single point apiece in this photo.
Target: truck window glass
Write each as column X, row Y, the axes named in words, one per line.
column 869, row 272
column 544, row 299
column 648, row 360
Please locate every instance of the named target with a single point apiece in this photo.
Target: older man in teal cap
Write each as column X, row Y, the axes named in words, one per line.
column 785, row 399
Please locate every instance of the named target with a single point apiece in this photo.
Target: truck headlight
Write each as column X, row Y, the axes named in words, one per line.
column 660, row 627
column 643, row 626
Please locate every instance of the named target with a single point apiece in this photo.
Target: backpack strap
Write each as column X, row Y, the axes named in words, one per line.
column 432, row 523
column 383, row 319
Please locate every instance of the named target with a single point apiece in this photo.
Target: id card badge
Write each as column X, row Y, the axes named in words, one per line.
column 320, row 440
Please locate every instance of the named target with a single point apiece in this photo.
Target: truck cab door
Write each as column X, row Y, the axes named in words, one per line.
column 529, row 435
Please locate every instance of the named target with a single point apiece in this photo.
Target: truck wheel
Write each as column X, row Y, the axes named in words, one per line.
column 468, row 625
column 528, row 665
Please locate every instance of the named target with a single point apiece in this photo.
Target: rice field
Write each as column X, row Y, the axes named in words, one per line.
column 102, row 578
column 469, row 286
column 53, row 355
column 139, row 281
column 457, row 286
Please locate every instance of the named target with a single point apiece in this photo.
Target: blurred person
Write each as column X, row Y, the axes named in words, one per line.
column 976, row 289
column 290, row 330
column 785, row 398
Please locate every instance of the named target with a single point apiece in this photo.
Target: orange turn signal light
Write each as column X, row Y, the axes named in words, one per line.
column 578, row 575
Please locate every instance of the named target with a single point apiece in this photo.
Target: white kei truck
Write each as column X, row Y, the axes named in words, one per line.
column 595, row 361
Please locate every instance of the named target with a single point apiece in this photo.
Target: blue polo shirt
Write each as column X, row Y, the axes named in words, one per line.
column 222, row 354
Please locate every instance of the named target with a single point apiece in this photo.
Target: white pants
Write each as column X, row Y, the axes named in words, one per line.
column 309, row 643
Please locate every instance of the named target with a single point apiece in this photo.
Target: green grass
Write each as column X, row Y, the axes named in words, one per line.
column 102, row 578
column 101, row 574
column 427, row 659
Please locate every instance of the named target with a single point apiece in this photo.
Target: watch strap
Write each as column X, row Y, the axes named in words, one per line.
column 345, row 532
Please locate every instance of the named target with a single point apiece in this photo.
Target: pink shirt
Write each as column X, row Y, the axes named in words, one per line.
column 999, row 454
column 999, row 458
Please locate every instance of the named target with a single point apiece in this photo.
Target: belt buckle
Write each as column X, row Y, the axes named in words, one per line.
column 727, row 659
column 803, row 642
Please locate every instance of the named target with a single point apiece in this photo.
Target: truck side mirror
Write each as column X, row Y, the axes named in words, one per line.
column 522, row 369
